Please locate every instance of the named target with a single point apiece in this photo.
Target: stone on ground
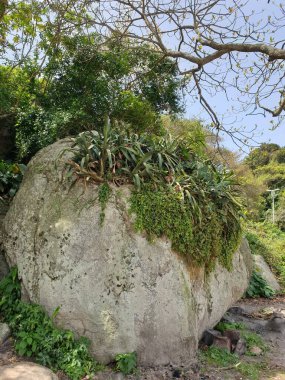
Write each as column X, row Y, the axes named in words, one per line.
column 222, row 342
column 233, row 335
column 276, row 323
column 26, row 371
column 255, row 350
column 266, row 272
column 4, row 332
column 240, row 348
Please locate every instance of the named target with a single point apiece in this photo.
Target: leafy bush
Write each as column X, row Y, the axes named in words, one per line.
column 17, row 89
column 258, row 287
column 170, row 181
column 191, row 130
column 262, row 155
column 223, row 326
column 98, row 82
column 35, row 129
column 36, row 335
column 280, row 156
column 272, row 174
column 10, row 178
column 126, row 363
column 103, row 196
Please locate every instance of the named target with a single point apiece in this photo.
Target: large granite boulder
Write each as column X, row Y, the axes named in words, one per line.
column 112, row 285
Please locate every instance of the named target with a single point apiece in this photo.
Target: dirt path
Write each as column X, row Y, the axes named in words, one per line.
column 274, row 339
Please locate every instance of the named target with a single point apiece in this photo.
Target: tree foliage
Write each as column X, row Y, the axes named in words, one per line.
column 265, row 169
column 221, row 47
column 80, row 84
column 93, row 83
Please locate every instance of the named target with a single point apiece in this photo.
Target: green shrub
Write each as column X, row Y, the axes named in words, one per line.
column 36, row 335
column 104, row 193
column 10, row 178
column 223, row 326
column 258, row 287
column 280, row 156
column 126, row 363
column 35, row 129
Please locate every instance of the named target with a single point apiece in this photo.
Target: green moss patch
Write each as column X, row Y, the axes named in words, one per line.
column 165, row 213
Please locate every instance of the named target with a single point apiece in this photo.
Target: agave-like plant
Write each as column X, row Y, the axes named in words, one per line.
column 122, row 157
column 161, row 161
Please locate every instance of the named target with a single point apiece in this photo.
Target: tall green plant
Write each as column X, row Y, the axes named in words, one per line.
column 10, row 178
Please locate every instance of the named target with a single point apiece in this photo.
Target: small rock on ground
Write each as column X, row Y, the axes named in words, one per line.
column 4, row 332
column 255, row 351
column 26, row 371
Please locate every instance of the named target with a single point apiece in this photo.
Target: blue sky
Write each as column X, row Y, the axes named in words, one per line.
column 262, row 127
column 235, row 118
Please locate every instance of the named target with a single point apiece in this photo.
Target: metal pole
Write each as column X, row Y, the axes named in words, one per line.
column 273, row 207
column 273, row 195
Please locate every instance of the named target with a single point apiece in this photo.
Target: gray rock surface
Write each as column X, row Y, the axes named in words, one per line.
column 109, row 375
column 266, row 272
column 26, row 371
column 4, row 269
column 4, row 332
column 111, row 284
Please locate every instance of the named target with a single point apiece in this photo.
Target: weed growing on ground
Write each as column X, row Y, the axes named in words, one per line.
column 223, row 326
column 258, row 287
column 225, row 360
column 104, row 193
column 126, row 363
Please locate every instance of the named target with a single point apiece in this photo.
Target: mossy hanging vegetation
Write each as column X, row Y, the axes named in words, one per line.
column 201, row 238
column 176, row 193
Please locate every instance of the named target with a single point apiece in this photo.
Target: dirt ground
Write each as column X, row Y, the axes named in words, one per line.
column 258, row 312
column 255, row 315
